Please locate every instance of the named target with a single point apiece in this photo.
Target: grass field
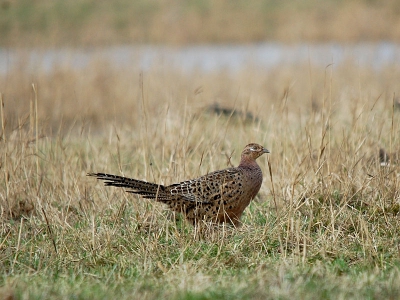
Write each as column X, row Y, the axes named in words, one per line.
column 325, row 224
column 48, row 23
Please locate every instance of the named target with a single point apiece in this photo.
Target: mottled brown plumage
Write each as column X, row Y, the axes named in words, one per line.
column 219, row 196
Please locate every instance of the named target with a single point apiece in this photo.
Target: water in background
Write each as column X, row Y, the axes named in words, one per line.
column 206, row 58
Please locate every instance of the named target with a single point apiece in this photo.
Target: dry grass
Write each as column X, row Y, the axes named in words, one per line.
column 56, row 22
column 325, row 225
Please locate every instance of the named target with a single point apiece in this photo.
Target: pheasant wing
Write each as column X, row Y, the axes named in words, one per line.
column 209, row 188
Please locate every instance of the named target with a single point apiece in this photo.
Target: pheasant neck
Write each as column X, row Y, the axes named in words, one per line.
column 248, row 162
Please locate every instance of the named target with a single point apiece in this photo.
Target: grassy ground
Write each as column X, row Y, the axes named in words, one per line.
column 49, row 23
column 324, row 225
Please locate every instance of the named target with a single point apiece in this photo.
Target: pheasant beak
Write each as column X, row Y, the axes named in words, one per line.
column 265, row 150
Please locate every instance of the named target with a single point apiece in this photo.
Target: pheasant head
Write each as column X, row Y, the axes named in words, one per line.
column 253, row 151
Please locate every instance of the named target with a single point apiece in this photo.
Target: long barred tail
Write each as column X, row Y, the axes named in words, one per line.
column 146, row 189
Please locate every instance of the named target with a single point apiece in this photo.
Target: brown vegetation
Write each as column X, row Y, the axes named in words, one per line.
column 325, row 214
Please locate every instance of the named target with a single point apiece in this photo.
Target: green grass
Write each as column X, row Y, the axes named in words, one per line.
column 125, row 260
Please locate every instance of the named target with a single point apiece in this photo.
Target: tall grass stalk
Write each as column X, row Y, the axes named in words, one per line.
column 325, row 223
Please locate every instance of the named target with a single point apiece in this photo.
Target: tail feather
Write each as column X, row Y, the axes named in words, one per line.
column 159, row 196
column 146, row 189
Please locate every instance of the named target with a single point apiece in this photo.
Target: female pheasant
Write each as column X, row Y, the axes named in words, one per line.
column 217, row 197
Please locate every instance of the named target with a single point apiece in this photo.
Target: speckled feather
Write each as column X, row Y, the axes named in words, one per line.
column 219, row 196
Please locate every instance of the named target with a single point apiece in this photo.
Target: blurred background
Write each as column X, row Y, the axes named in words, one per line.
column 48, row 23
column 86, row 54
